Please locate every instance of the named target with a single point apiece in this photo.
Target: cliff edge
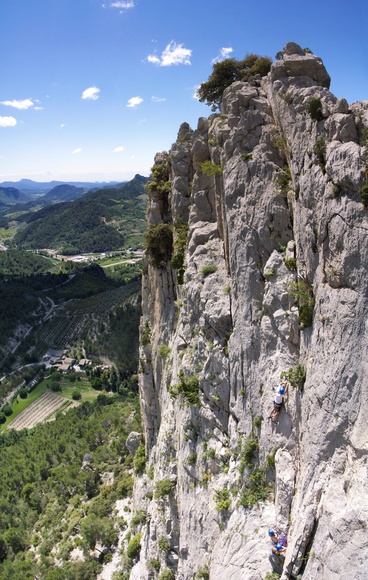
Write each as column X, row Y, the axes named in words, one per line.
column 255, row 270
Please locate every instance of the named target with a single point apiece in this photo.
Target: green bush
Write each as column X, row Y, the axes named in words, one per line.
column 139, row 518
column 210, row 168
column 2, row 417
column 282, row 180
column 303, row 293
column 163, row 544
column 203, row 573
column 227, row 71
column 295, row 375
column 167, row 574
column 76, row 395
column 319, row 150
column 23, row 393
column 290, row 263
column 180, row 242
column 222, row 499
column 191, row 459
column 134, row 547
column 146, row 335
column 139, row 461
column 207, row 270
column 154, row 564
column 159, row 244
column 163, row 488
column 164, row 351
column 7, row 410
column 272, row 576
column 363, row 192
column 314, row 108
column 188, row 386
column 255, row 490
column 247, row 452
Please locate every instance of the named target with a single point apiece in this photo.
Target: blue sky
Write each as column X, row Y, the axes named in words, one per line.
column 92, row 89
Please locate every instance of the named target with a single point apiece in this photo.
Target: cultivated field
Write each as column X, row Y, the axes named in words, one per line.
column 43, row 409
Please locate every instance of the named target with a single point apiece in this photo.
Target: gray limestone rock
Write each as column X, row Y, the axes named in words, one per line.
column 279, row 229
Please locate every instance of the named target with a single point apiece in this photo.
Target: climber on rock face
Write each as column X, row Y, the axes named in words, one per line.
column 278, row 549
column 278, row 401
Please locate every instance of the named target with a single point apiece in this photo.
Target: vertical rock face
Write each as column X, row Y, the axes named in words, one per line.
column 274, row 277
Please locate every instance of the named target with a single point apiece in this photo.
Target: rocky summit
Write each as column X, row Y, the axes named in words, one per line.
column 256, row 272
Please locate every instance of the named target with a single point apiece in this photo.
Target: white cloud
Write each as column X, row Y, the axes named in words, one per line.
column 24, row 104
column 7, row 122
column 62, row 125
column 78, row 150
column 91, row 93
column 173, row 54
column 134, row 102
column 38, row 108
column 195, row 94
column 158, row 99
column 122, row 5
column 119, row 149
column 224, row 53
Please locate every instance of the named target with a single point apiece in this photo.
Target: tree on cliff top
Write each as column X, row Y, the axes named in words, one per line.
column 226, row 72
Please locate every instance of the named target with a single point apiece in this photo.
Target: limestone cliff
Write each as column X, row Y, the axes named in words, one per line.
column 270, row 278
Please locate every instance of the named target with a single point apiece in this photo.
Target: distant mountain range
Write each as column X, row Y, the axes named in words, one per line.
column 94, row 221
column 41, row 188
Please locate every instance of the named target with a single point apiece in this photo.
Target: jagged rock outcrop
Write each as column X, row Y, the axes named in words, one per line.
column 273, row 278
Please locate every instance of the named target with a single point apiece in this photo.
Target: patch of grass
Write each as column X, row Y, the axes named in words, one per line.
column 207, row 270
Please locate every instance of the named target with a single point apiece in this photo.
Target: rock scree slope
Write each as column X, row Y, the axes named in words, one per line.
column 256, row 265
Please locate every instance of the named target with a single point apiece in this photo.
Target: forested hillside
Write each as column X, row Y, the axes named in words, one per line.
column 53, row 496
column 102, row 220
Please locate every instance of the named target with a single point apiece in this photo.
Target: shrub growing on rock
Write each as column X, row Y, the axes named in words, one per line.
column 227, row 71
column 163, row 488
column 159, row 244
column 314, row 108
column 134, row 547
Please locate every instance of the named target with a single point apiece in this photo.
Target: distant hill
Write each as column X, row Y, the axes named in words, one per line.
column 102, row 220
column 64, row 192
column 41, row 188
column 12, row 195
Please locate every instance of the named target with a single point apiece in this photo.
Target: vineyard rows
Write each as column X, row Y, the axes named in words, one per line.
column 43, row 409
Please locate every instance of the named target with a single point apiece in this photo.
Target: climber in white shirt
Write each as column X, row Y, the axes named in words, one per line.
column 278, row 400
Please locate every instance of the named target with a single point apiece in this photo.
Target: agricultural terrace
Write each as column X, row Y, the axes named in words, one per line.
column 41, row 404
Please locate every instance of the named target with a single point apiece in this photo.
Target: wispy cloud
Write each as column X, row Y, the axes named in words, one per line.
column 78, row 150
column 24, row 104
column 158, row 99
column 173, row 54
column 38, row 108
column 91, row 93
column 7, row 122
column 62, row 125
column 195, row 94
column 224, row 53
column 120, row 4
column 119, row 149
column 134, row 102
